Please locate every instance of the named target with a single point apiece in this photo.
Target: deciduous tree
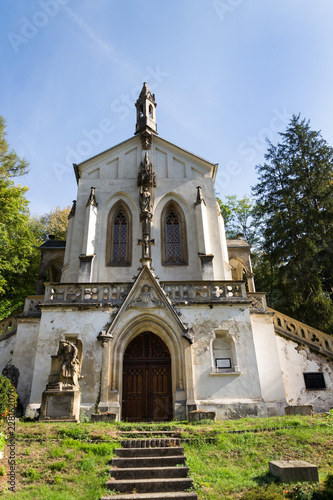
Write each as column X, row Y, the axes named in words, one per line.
column 11, row 165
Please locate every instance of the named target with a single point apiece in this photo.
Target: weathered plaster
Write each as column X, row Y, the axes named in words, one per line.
column 297, row 359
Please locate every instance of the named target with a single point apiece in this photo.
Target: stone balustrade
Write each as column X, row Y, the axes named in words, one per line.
column 259, row 304
column 69, row 293
column 8, row 326
column 214, row 291
column 300, row 332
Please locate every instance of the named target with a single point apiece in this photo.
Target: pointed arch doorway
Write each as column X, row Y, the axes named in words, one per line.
column 147, row 387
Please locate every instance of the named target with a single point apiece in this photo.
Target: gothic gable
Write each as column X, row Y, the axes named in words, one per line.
column 147, row 296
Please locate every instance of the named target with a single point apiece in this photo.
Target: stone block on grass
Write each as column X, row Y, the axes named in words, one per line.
column 299, row 410
column 196, row 415
column 103, row 417
column 293, row 471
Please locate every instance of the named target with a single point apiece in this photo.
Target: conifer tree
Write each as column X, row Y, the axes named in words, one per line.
column 294, row 210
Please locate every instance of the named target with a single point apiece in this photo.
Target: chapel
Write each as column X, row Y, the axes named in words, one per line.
column 150, row 313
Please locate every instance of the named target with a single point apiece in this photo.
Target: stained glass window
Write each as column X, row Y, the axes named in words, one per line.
column 174, row 235
column 119, row 238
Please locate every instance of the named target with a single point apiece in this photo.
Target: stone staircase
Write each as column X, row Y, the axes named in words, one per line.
column 150, row 468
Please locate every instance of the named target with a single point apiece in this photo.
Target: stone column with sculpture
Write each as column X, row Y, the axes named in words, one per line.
column 146, row 183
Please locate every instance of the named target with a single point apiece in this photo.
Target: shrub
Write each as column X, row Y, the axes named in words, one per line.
column 267, row 492
column 8, row 396
column 2, row 441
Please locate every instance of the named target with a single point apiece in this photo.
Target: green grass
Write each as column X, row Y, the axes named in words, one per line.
column 227, row 459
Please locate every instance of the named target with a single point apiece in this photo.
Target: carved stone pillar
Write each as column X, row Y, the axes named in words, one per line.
column 105, row 340
column 250, row 282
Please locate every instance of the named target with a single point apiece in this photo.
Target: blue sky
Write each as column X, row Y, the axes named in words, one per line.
column 226, row 74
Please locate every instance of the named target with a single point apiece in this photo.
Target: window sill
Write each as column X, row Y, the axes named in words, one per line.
column 224, row 374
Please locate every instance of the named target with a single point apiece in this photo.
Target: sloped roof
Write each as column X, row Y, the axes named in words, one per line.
column 158, row 139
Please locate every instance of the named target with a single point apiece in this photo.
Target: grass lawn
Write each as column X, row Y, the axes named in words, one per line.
column 63, row 461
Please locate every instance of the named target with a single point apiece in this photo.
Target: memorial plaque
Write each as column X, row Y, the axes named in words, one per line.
column 314, row 381
column 223, row 363
column 58, row 406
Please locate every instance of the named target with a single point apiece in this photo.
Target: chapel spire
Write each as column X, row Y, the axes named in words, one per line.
column 146, row 116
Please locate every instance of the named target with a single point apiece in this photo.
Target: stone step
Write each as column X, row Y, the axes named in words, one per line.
column 181, row 495
column 150, row 485
column 149, row 452
column 150, row 433
column 150, row 443
column 149, row 473
column 132, row 462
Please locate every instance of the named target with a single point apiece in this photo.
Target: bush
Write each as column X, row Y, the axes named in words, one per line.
column 2, row 441
column 267, row 492
column 8, row 396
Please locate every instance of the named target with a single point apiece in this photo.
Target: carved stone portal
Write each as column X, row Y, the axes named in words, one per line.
column 61, row 399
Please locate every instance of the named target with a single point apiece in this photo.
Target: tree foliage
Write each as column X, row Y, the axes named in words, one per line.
column 238, row 217
column 54, row 222
column 294, row 211
column 10, row 163
column 18, row 257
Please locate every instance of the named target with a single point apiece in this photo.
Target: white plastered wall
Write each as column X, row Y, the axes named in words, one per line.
column 55, row 324
column 297, row 359
column 268, row 363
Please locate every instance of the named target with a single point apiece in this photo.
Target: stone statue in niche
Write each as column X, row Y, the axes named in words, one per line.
column 145, row 200
column 146, row 176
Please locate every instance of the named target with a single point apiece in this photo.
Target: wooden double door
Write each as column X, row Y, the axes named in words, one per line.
column 147, row 388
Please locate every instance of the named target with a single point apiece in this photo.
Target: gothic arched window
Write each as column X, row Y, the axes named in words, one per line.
column 119, row 237
column 174, row 240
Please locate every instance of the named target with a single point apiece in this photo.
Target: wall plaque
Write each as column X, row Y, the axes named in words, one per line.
column 223, row 363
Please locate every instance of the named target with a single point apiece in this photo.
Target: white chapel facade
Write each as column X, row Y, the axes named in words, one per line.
column 151, row 295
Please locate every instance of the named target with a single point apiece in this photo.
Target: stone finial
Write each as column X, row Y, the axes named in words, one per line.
column 92, row 198
column 73, row 210
column 200, row 198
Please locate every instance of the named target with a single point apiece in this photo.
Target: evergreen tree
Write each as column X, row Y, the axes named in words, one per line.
column 294, row 210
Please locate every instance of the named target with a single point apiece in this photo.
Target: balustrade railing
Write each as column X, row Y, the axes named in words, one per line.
column 296, row 330
column 219, row 291
column 86, row 292
column 258, row 299
column 115, row 293
column 8, row 325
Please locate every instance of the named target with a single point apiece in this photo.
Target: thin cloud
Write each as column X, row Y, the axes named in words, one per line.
column 106, row 47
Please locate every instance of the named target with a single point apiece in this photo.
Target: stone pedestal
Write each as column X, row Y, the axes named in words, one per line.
column 195, row 416
column 104, row 417
column 299, row 410
column 293, row 471
column 61, row 405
